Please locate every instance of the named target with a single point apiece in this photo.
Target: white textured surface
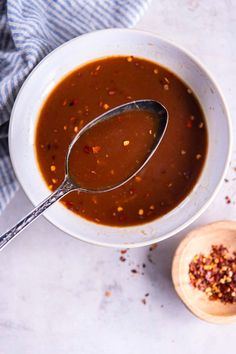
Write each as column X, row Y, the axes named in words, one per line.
column 52, row 286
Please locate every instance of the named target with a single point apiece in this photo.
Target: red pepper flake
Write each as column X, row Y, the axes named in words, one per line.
column 138, row 178
column 131, row 191
column 120, row 209
column 111, row 92
column 149, row 257
column 140, row 212
column 72, row 103
column 134, row 271
column 215, row 274
column 189, row 124
column 106, row 106
column 123, row 251
column 87, row 149
column 130, row 58
column 122, row 217
column 122, row 259
column 53, row 168
column 153, row 247
column 227, row 199
column 69, row 205
column 96, row 149
column 144, row 301
column 72, row 119
column 108, row 293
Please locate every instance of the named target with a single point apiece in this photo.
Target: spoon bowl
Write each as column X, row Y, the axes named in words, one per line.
column 159, row 113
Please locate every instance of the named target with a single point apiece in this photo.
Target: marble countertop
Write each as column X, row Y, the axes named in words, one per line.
column 59, row 295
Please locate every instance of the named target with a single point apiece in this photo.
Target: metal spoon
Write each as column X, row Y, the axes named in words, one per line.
column 68, row 185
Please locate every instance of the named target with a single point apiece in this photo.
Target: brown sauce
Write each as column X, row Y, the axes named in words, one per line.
column 171, row 173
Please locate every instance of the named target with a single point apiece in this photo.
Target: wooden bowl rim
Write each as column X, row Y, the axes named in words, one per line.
column 223, row 224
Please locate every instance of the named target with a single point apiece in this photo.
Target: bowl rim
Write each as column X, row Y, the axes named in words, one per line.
column 229, row 147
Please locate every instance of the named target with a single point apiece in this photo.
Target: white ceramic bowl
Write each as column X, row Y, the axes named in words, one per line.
column 100, row 44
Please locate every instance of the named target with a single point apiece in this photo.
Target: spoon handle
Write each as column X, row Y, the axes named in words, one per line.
column 64, row 188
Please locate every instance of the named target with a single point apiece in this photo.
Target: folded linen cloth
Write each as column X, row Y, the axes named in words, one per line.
column 29, row 30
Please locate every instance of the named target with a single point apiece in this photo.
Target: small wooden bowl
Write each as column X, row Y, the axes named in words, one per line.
column 200, row 241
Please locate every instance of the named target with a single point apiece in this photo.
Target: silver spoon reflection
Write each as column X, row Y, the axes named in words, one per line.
column 69, row 184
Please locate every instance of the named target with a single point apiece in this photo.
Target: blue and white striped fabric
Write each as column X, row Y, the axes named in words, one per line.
column 29, row 30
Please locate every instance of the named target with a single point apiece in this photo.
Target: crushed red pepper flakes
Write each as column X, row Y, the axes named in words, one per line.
column 138, row 178
column 166, row 87
column 111, row 92
column 120, row 209
column 198, row 156
column 123, row 251
column 106, row 106
column 189, row 124
column 131, row 191
column 87, row 149
column 150, row 260
column 69, row 205
column 140, row 212
column 72, row 119
column 72, row 103
column 96, row 149
column 215, row 274
column 153, row 247
column 227, row 199
column 201, row 124
column 134, row 271
column 108, row 293
column 122, row 259
column 126, row 142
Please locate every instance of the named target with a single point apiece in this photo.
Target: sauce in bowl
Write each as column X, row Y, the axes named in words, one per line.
column 167, row 178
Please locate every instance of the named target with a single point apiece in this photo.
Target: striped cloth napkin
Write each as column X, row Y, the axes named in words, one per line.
column 29, row 30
